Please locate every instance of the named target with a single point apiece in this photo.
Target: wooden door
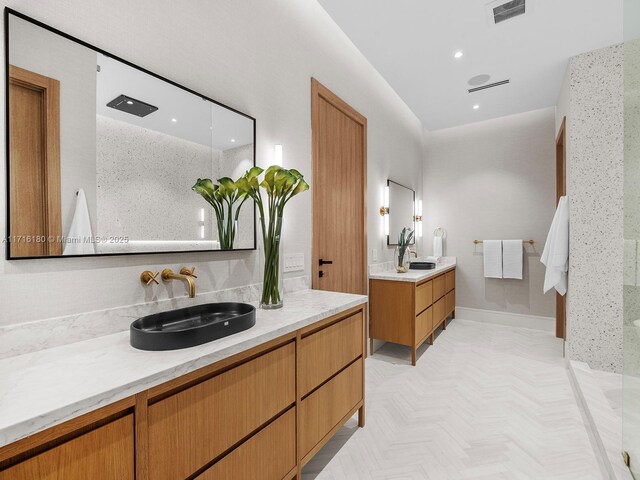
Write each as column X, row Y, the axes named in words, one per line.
column 339, row 135
column 561, row 190
column 34, row 149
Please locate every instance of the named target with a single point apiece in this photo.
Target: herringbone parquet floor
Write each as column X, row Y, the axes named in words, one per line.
column 485, row 402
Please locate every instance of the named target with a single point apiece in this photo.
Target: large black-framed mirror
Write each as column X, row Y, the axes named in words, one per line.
column 102, row 154
column 401, row 211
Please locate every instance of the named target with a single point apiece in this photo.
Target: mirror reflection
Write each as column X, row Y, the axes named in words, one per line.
column 103, row 156
column 401, row 211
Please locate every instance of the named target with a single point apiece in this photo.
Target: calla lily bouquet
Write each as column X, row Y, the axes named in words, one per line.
column 280, row 186
column 223, row 198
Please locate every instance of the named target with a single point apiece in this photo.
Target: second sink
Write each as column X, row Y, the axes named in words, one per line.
column 191, row 326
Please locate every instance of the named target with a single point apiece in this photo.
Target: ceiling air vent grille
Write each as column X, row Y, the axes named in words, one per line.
column 489, row 85
column 508, row 10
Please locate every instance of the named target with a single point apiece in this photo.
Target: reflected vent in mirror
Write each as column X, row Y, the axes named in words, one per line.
column 132, row 106
column 508, row 10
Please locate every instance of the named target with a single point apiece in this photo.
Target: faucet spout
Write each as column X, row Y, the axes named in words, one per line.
column 168, row 275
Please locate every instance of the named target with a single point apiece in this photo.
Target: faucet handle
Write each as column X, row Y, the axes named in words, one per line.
column 188, row 271
column 148, row 277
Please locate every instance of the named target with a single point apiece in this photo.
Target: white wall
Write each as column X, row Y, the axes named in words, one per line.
column 592, row 100
column 255, row 56
column 493, row 180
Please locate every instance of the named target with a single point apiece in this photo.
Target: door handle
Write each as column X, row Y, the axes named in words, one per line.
column 325, row 262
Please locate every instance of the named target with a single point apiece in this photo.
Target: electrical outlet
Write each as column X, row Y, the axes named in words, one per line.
column 294, row 262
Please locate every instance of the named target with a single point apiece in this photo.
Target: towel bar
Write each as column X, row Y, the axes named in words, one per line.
column 530, row 242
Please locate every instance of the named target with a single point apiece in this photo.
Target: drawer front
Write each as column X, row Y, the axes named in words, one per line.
column 189, row 429
column 324, row 408
column 450, row 280
column 438, row 287
column 105, row 453
column 269, row 455
column 424, row 324
column 424, row 296
column 326, row 352
column 450, row 302
column 439, row 311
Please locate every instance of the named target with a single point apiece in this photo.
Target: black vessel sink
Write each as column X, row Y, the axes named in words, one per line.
column 422, row 266
column 187, row 327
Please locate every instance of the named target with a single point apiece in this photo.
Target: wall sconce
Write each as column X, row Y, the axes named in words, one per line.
column 384, row 210
column 418, row 217
column 277, row 157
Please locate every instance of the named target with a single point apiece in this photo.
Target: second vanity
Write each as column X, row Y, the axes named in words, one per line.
column 407, row 308
column 257, row 404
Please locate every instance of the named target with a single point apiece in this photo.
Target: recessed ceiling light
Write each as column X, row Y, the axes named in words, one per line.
column 174, row 120
column 129, row 102
column 476, row 107
column 458, row 54
column 233, row 140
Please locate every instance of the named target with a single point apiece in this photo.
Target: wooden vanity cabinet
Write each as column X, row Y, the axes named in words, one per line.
column 408, row 313
column 263, row 413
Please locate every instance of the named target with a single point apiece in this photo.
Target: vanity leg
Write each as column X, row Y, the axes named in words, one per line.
column 453, row 314
column 361, row 417
column 371, row 346
column 431, row 339
column 444, row 324
column 413, row 356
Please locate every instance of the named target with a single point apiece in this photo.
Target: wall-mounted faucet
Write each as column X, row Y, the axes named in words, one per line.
column 186, row 274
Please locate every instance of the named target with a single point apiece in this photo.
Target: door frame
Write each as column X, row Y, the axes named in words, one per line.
column 49, row 88
column 561, row 190
column 319, row 91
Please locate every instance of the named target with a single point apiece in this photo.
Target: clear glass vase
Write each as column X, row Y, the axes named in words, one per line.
column 271, row 263
column 402, row 259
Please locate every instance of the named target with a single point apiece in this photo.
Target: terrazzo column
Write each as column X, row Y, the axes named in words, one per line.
column 595, row 186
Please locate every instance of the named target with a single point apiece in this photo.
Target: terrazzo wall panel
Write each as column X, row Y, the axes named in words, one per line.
column 595, row 187
column 144, row 175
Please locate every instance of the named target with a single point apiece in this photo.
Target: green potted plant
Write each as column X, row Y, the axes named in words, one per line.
column 223, row 197
column 402, row 254
column 280, row 185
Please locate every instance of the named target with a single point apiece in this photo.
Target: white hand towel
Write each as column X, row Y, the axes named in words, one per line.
column 79, row 239
column 555, row 255
column 512, row 259
column 437, row 246
column 630, row 262
column 492, row 251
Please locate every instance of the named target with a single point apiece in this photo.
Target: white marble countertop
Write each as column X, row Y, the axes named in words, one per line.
column 414, row 275
column 48, row 387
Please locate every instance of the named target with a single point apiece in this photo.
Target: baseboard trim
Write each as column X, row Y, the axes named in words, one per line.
column 535, row 322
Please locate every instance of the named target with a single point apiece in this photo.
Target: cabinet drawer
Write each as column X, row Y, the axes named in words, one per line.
column 192, row 427
column 424, row 324
column 325, row 352
column 269, row 455
column 105, row 453
column 450, row 280
column 450, row 302
column 324, row 408
column 438, row 287
column 424, row 296
column 439, row 311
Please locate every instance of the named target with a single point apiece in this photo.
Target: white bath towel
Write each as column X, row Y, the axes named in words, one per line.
column 555, row 255
column 79, row 240
column 437, row 246
column 492, row 251
column 512, row 259
column 630, row 262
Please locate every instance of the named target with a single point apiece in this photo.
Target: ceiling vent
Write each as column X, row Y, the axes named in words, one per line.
column 130, row 105
column 502, row 11
column 490, row 85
